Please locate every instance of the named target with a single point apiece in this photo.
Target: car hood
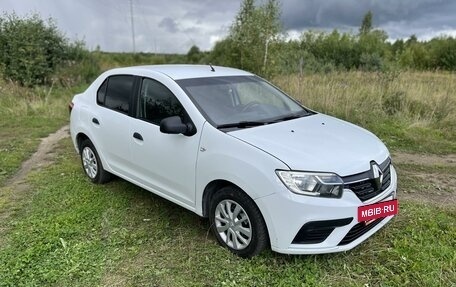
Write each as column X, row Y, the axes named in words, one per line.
column 317, row 143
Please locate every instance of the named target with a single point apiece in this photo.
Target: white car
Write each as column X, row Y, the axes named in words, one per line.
column 229, row 146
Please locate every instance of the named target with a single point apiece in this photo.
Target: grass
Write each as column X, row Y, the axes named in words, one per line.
column 410, row 111
column 26, row 115
column 71, row 232
column 64, row 231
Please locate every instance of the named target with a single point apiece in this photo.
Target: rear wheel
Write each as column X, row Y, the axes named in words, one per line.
column 91, row 163
column 237, row 222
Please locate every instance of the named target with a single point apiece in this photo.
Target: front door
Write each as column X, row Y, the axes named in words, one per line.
column 165, row 163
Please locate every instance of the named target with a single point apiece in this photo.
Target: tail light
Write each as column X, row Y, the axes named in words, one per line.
column 70, row 107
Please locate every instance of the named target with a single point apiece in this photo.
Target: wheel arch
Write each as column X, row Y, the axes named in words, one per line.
column 104, row 174
column 80, row 137
column 215, row 185
column 209, row 195
column 209, row 191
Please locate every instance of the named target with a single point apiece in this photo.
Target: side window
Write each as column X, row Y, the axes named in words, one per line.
column 102, row 93
column 156, row 102
column 118, row 93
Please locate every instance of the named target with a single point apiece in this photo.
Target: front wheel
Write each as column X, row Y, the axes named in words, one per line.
column 237, row 222
column 91, row 163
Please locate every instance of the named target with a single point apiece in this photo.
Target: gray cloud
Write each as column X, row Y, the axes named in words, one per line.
column 160, row 26
column 400, row 18
column 174, row 26
column 169, row 25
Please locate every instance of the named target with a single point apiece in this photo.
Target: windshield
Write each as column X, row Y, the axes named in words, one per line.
column 240, row 101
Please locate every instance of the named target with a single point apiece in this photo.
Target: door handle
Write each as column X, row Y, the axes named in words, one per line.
column 95, row 121
column 138, row 136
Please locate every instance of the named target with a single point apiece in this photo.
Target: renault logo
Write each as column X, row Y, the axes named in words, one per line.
column 377, row 175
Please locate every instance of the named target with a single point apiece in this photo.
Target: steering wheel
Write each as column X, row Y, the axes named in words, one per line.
column 250, row 106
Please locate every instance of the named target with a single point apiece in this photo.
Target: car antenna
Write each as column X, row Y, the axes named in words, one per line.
column 212, row 68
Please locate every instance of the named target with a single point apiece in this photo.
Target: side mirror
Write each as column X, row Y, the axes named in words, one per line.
column 174, row 125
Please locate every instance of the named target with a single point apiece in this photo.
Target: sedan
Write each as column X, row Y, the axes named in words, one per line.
column 228, row 145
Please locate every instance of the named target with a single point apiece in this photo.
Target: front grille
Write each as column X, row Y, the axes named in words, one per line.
column 317, row 231
column 365, row 188
column 359, row 230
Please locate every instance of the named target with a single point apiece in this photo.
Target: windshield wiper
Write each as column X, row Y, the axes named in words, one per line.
column 287, row 118
column 243, row 124
column 246, row 124
column 292, row 116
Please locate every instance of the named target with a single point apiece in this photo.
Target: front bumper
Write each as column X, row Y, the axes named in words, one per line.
column 285, row 213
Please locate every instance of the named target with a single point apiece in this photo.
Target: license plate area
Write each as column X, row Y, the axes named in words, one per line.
column 371, row 212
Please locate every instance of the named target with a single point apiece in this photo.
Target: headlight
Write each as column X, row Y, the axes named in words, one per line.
column 314, row 184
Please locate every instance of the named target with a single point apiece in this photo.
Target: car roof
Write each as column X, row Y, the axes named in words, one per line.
column 178, row 72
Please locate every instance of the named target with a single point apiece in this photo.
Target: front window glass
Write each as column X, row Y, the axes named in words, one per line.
column 239, row 101
column 156, row 102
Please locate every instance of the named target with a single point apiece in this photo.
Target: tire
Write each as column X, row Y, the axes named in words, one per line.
column 91, row 163
column 237, row 222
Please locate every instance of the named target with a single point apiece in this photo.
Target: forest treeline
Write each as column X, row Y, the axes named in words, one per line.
column 256, row 42
column 35, row 52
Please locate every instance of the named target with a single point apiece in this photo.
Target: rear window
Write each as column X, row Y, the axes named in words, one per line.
column 115, row 93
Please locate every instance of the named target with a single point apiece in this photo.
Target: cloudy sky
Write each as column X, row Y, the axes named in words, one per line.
column 173, row 26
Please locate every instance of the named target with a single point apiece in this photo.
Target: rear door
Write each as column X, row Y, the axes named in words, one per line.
column 111, row 122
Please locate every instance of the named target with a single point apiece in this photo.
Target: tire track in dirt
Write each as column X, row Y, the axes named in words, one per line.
column 425, row 159
column 440, row 184
column 42, row 157
column 16, row 187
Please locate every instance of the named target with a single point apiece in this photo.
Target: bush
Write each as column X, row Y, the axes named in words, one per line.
column 31, row 49
column 81, row 66
column 394, row 102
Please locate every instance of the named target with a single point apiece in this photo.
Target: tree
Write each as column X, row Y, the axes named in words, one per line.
column 242, row 31
column 253, row 35
column 224, row 53
column 412, row 40
column 272, row 27
column 366, row 25
column 372, row 45
column 442, row 53
column 194, row 55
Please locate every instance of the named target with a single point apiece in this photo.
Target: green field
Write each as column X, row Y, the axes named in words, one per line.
column 57, row 229
column 410, row 111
